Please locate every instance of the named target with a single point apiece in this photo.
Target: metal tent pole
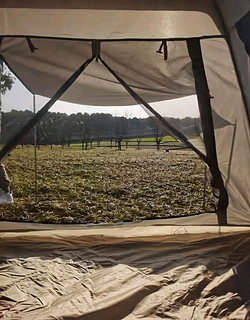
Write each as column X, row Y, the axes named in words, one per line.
column 35, row 143
column 204, row 188
column 203, row 96
column 231, row 153
column 1, row 70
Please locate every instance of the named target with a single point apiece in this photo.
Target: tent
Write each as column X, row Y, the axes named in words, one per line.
column 114, row 53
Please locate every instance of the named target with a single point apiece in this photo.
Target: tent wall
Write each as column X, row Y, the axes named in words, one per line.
column 242, row 62
column 231, row 128
column 204, row 101
column 232, row 12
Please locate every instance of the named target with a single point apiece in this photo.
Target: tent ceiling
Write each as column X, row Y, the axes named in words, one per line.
column 57, row 28
column 109, row 19
column 51, row 25
column 146, row 71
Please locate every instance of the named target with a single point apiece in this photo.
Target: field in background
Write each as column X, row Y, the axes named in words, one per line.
column 135, row 143
column 104, row 185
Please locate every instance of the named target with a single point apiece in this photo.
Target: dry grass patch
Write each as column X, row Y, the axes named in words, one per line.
column 104, row 185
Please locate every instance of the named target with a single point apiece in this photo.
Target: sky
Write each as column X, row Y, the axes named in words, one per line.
column 20, row 98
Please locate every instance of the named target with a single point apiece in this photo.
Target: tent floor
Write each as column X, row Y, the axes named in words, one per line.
column 126, row 272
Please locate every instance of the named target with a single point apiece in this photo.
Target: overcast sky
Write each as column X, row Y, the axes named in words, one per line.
column 20, row 98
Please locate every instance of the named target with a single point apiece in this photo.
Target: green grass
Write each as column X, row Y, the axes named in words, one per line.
column 151, row 139
column 104, row 185
column 132, row 142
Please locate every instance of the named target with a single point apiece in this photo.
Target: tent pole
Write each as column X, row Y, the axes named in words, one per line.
column 204, row 188
column 1, row 70
column 35, row 143
column 38, row 116
column 161, row 119
column 203, row 95
column 231, row 152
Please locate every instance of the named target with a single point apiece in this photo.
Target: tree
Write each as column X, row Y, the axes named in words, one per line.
column 7, row 81
column 121, row 128
column 46, row 131
column 86, row 130
column 138, row 142
column 158, row 135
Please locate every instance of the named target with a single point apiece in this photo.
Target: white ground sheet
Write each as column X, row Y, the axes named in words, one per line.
column 126, row 273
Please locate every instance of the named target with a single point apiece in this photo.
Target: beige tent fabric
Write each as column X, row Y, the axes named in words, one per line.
column 109, row 19
column 232, row 11
column 232, row 138
column 242, row 62
column 84, row 275
column 45, row 70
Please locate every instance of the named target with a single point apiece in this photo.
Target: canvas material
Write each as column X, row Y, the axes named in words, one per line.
column 231, row 128
column 118, row 274
column 116, row 19
column 138, row 63
column 231, row 12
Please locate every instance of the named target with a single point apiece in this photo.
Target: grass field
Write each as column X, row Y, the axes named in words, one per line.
column 104, row 185
column 134, row 142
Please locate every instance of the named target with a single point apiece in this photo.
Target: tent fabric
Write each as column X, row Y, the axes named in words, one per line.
column 204, row 98
column 205, row 222
column 232, row 141
column 45, row 70
column 119, row 274
column 116, row 19
column 232, row 12
column 243, row 31
column 242, row 63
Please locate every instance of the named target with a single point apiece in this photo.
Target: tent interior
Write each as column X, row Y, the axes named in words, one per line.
column 116, row 53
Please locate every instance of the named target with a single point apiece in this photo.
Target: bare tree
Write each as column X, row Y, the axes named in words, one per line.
column 158, row 135
column 138, row 142
column 87, row 129
column 121, row 129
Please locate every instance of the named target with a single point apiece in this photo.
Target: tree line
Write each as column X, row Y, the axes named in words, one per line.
column 62, row 129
